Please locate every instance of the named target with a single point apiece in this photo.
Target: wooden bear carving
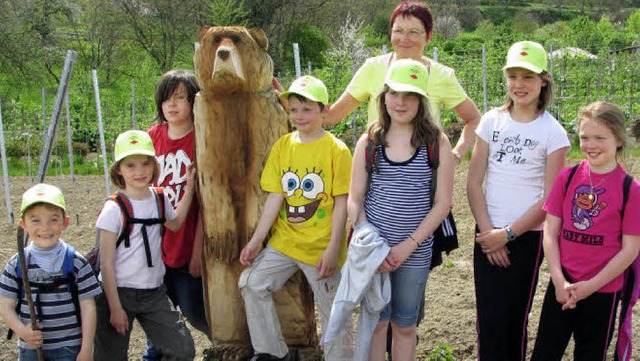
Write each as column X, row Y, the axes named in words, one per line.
column 237, row 120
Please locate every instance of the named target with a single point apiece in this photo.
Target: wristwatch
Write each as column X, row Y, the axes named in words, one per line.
column 511, row 235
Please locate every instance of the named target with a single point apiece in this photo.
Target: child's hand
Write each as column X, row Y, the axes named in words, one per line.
column 30, row 336
column 396, row 257
column 499, row 258
column 85, row 354
column 327, row 264
column 562, row 295
column 195, row 267
column 119, row 321
column 250, row 252
column 492, row 240
column 581, row 290
column 191, row 177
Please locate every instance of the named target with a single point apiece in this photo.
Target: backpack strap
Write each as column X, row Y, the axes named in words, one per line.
column 626, row 186
column 433, row 155
column 571, row 174
column 129, row 220
column 68, row 272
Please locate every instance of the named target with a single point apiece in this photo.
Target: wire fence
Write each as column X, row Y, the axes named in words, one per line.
column 578, row 81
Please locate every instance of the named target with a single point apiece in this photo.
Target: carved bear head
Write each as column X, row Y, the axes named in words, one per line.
column 232, row 59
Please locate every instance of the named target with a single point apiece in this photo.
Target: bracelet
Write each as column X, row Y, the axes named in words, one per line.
column 413, row 239
column 457, row 154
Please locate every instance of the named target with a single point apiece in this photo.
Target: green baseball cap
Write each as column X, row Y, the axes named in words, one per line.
column 310, row 88
column 133, row 142
column 42, row 193
column 527, row 55
column 407, row 75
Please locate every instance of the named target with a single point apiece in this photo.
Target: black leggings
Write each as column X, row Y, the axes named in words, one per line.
column 591, row 323
column 504, row 297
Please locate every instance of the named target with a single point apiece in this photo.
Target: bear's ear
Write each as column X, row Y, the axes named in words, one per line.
column 260, row 37
column 202, row 32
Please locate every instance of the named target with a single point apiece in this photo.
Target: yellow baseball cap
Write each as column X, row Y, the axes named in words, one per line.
column 310, row 88
column 527, row 55
column 133, row 142
column 42, row 193
column 409, row 76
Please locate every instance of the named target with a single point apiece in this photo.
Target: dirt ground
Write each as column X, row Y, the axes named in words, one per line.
column 450, row 311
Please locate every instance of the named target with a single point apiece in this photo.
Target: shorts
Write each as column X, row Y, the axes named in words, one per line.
column 407, row 290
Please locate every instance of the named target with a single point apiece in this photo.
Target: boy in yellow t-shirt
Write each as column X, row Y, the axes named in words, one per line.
column 307, row 177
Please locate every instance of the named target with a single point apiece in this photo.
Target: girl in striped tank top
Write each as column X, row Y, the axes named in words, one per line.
column 396, row 200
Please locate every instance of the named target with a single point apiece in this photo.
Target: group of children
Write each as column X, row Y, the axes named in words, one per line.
column 526, row 207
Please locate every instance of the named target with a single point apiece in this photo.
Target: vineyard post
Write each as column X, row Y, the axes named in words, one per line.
column 96, row 89
column 5, row 171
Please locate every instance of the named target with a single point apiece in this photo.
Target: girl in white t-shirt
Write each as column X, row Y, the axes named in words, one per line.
column 132, row 270
column 519, row 151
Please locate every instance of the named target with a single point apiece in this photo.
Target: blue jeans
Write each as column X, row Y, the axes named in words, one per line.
column 186, row 293
column 68, row 353
column 407, row 290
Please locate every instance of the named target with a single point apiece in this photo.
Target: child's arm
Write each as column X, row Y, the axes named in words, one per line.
column 359, row 183
column 327, row 264
column 551, row 247
column 615, row 266
column 441, row 208
column 478, row 202
column 269, row 213
column 185, row 203
column 88, row 316
column 195, row 264
column 118, row 318
column 11, row 319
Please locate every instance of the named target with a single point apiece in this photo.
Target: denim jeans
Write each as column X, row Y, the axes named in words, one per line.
column 68, row 353
column 407, row 292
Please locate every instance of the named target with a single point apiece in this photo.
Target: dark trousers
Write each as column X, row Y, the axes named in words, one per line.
column 591, row 323
column 504, row 297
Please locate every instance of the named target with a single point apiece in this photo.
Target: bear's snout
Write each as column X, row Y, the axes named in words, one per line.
column 223, row 54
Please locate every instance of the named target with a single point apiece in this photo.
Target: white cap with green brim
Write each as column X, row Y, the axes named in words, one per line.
column 42, row 193
column 310, row 88
column 407, row 76
column 133, row 142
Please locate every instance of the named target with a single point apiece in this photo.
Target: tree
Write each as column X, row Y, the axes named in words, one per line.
column 163, row 28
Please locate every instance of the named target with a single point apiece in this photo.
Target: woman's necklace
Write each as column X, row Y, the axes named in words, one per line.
column 592, row 194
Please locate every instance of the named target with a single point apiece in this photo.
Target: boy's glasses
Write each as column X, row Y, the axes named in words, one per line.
column 413, row 33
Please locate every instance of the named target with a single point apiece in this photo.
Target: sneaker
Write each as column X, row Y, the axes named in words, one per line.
column 269, row 357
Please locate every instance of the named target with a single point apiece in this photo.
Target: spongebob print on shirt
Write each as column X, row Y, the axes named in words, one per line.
column 304, row 191
column 309, row 176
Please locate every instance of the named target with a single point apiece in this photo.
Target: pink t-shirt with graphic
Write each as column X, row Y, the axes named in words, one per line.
column 591, row 231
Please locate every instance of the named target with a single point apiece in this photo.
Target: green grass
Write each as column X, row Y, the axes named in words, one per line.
column 82, row 166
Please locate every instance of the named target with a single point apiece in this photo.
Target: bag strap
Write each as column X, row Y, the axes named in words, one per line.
column 129, row 220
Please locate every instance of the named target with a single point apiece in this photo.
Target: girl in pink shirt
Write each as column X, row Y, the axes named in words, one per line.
column 590, row 237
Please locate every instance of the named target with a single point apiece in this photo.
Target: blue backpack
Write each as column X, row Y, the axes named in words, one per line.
column 68, row 277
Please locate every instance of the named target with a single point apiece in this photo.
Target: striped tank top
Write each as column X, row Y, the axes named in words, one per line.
column 398, row 199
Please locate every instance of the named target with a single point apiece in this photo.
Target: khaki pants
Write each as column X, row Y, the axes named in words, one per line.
column 268, row 273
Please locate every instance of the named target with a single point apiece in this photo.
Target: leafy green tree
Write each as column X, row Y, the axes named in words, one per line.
column 164, row 29
column 228, row 13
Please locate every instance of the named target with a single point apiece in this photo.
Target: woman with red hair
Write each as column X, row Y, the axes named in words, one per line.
column 410, row 31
